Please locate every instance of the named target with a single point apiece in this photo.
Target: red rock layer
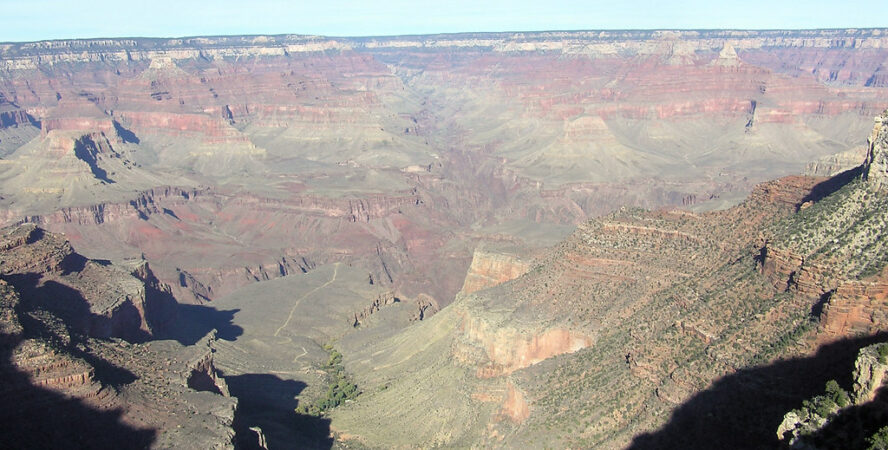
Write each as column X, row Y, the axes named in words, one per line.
column 856, row 308
column 507, row 349
column 491, row 269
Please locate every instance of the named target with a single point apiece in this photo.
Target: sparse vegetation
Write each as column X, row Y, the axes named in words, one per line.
column 879, row 441
column 826, row 405
column 847, row 226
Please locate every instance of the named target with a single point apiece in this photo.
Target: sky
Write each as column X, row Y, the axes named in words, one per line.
column 32, row 20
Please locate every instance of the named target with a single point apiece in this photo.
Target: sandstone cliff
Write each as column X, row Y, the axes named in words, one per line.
column 489, row 269
column 400, row 154
column 803, row 258
column 876, row 165
column 390, row 160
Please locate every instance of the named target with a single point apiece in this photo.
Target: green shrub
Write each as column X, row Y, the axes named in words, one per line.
column 838, row 395
column 339, row 387
column 879, row 441
column 883, row 353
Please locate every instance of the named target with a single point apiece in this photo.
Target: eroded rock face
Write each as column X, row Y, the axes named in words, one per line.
column 876, row 165
column 805, row 260
column 62, row 387
column 383, row 154
column 505, row 349
column 201, row 373
column 831, row 165
column 490, row 269
column 515, row 406
column 95, row 298
column 856, row 308
column 382, row 300
column 298, row 135
column 870, row 369
column 849, row 307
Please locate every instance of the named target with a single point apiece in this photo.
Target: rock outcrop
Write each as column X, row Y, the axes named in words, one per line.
column 495, row 350
column 839, row 417
column 831, row 165
column 395, row 136
column 853, row 296
column 876, row 165
column 641, row 326
column 382, row 300
column 856, row 308
column 62, row 387
column 378, row 165
column 490, row 269
column 95, row 298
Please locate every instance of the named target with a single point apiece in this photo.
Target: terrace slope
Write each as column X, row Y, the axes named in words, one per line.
column 642, row 320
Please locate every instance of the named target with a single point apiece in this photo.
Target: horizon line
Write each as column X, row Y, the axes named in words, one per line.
column 449, row 33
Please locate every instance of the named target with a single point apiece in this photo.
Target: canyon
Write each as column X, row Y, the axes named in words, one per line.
column 514, row 239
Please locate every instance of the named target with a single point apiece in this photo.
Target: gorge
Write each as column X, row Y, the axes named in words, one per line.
column 547, row 239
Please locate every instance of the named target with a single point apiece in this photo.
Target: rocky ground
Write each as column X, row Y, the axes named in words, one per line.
column 78, row 368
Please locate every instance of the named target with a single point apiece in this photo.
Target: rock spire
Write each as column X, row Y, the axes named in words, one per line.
column 875, row 168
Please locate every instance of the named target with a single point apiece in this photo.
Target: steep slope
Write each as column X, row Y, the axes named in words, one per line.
column 93, row 297
column 642, row 321
column 68, row 379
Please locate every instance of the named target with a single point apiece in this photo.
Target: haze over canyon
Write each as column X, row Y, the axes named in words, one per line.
column 609, row 239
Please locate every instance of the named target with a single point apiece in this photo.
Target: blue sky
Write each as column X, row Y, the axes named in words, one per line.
column 63, row 19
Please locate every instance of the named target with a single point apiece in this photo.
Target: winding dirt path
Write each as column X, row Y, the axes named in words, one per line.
column 293, row 309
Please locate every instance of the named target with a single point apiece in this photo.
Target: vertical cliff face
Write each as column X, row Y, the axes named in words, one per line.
column 856, row 308
column 657, row 329
column 396, row 135
column 833, row 251
column 490, row 269
column 95, row 298
column 876, row 165
column 494, row 349
column 395, row 156
column 62, row 387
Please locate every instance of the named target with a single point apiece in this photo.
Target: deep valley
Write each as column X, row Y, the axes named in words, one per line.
column 614, row 239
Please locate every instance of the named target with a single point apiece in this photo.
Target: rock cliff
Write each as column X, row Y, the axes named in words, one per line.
column 803, row 258
column 345, row 172
column 876, row 165
column 95, row 298
column 397, row 135
column 646, row 329
column 490, row 269
column 63, row 387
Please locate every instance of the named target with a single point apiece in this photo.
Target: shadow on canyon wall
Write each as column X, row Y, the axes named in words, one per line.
column 35, row 417
column 269, row 402
column 833, row 184
column 850, row 429
column 744, row 409
column 195, row 321
column 69, row 305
